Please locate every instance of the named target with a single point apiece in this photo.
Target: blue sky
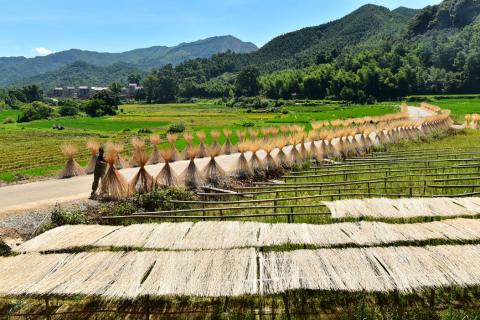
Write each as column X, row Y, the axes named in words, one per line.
column 37, row 27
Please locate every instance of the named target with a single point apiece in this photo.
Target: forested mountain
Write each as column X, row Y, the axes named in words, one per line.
column 81, row 73
column 372, row 53
column 14, row 69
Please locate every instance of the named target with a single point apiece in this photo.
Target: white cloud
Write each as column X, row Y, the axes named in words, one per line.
column 42, row 51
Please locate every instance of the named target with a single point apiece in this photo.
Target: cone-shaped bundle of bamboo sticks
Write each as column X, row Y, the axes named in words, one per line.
column 142, row 182
column 93, row 146
column 213, row 174
column 113, row 186
column 156, row 157
column 228, row 147
column 167, row 176
column 191, row 176
column 138, row 145
column 72, row 168
column 243, row 170
column 202, row 151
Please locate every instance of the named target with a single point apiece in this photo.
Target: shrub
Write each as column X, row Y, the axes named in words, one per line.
column 176, row 128
column 68, row 110
column 248, row 124
column 99, row 108
column 144, row 130
column 62, row 217
column 8, row 121
column 36, row 111
column 159, row 200
column 120, row 208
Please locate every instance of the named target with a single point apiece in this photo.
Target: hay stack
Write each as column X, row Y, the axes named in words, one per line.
column 253, row 134
column 93, row 146
column 142, row 182
column 213, row 174
column 189, row 139
column 138, row 145
column 282, row 158
column 228, row 147
column 172, row 141
column 214, row 145
column 468, row 120
column 475, row 120
column 156, row 157
column 114, row 185
column 72, row 168
column 313, row 149
column 202, row 151
column 191, row 176
column 167, row 176
column 295, row 156
column 271, row 167
column 120, row 163
column 303, row 149
column 255, row 163
column 243, row 170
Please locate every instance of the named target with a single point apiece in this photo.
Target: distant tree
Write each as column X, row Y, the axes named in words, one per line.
column 36, row 111
column 149, row 85
column 167, row 85
column 32, row 93
column 69, row 108
column 247, row 83
column 116, row 88
column 102, row 104
column 140, row 95
column 134, row 78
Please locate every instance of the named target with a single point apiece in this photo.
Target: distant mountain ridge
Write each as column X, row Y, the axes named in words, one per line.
column 15, row 69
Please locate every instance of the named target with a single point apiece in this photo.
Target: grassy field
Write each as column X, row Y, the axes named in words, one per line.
column 33, row 149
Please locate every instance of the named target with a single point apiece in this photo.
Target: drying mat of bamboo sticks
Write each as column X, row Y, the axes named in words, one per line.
column 131, row 275
column 231, row 235
column 404, row 208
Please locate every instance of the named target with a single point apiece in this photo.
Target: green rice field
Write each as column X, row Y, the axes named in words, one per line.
column 35, row 146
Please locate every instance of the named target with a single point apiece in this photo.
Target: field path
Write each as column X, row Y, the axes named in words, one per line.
column 19, row 198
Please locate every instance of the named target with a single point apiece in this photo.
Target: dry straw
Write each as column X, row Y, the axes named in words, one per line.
column 138, row 145
column 191, row 176
column 93, row 146
column 295, row 156
column 120, row 162
column 188, row 136
column 238, row 234
column 156, row 157
column 243, row 171
column 202, row 151
column 228, row 147
column 255, row 163
column 172, row 141
column 215, row 136
column 114, row 185
column 167, row 176
column 272, row 168
column 142, row 182
column 72, row 168
column 213, row 173
column 282, row 159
